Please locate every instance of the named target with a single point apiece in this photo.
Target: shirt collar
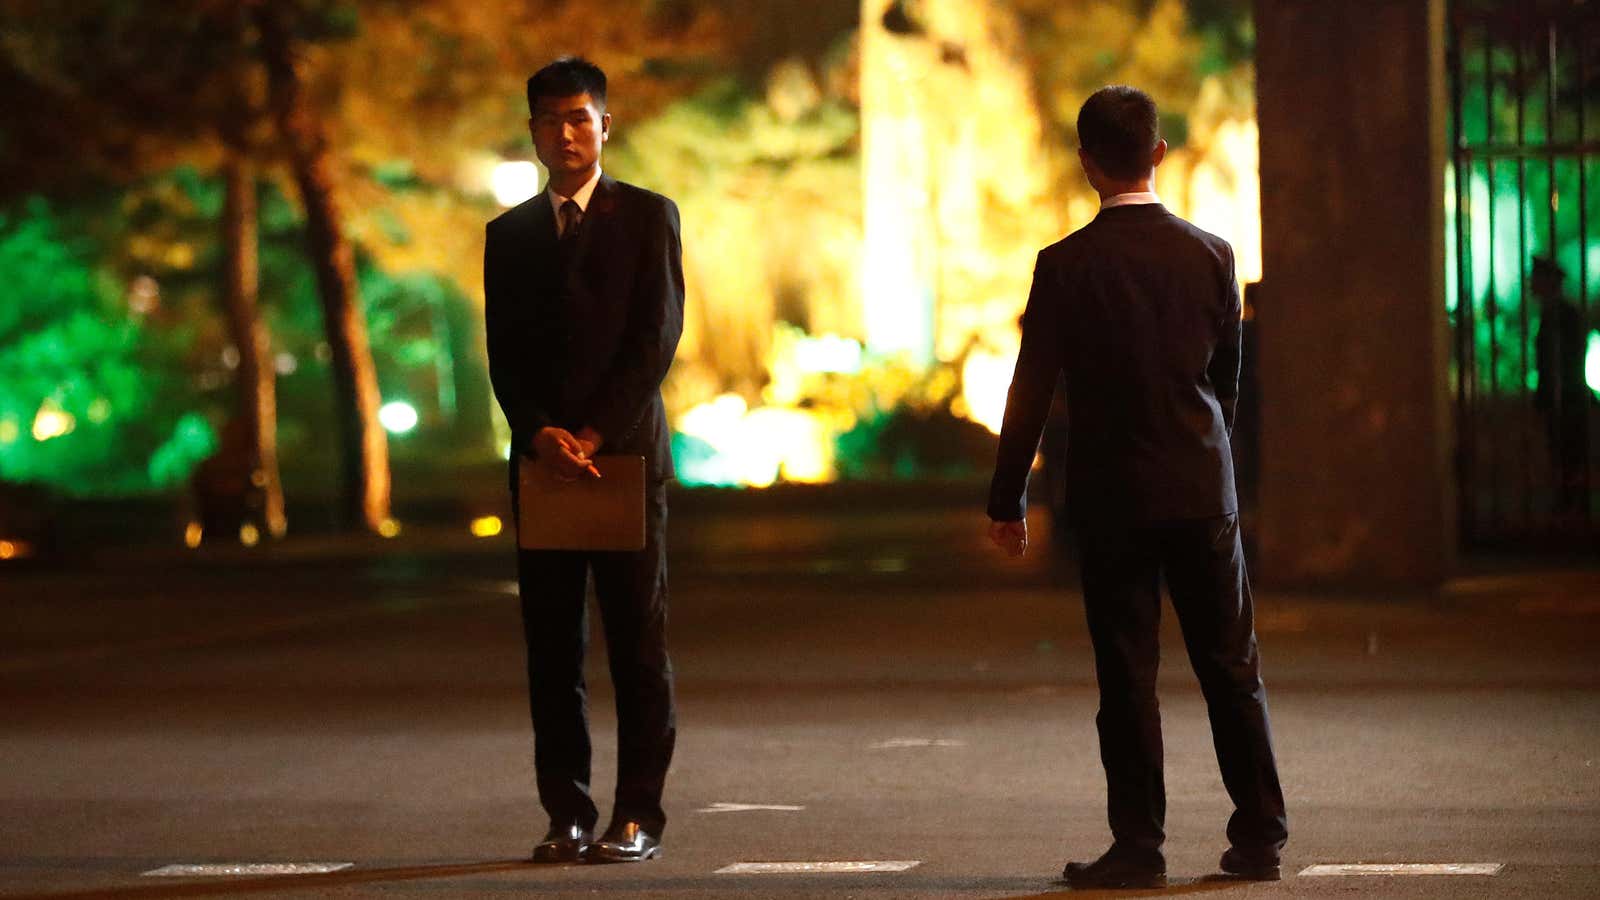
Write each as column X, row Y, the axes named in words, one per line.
column 1134, row 198
column 581, row 195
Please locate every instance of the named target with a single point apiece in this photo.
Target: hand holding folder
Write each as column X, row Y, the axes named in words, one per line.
column 588, row 513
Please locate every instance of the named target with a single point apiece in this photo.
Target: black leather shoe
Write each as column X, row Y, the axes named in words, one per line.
column 624, row 842
column 1118, row 869
column 1246, row 866
column 563, row 844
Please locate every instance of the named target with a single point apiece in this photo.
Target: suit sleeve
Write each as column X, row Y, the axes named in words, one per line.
column 508, row 348
column 654, row 325
column 1033, row 384
column 1223, row 370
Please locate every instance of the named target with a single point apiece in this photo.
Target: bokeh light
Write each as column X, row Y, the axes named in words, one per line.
column 52, row 421
column 514, row 182
column 398, row 417
column 1591, row 362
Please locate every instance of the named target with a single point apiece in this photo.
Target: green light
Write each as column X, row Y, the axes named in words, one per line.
column 398, row 417
column 192, row 440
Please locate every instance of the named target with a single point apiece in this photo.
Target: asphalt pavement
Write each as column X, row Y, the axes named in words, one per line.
column 858, row 683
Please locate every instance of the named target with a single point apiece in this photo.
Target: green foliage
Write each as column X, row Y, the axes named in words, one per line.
column 193, row 439
column 915, row 442
column 146, row 394
column 39, row 267
column 1228, row 31
column 69, row 348
column 402, row 317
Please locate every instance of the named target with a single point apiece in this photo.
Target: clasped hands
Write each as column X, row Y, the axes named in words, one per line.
column 569, row 456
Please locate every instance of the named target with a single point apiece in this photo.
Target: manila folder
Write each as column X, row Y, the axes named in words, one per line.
column 605, row 513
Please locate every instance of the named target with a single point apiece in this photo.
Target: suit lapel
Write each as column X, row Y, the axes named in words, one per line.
column 538, row 265
column 594, row 236
column 542, row 252
column 598, row 220
column 540, row 229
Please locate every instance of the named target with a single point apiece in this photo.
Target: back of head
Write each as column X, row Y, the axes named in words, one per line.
column 1118, row 129
column 568, row 76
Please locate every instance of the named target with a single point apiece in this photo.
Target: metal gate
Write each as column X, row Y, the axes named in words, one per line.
column 1522, row 243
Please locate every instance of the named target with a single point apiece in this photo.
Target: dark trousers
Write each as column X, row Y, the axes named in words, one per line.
column 1203, row 562
column 632, row 592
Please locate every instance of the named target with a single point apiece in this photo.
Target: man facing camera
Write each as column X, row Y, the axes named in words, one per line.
column 583, row 301
column 1140, row 311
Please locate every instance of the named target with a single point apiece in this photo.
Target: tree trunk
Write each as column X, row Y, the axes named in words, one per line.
column 364, row 449
column 257, row 409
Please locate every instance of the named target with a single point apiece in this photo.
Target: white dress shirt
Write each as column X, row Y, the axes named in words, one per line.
column 1133, row 198
column 581, row 196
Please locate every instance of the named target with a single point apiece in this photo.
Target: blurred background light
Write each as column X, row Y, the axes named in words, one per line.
column 144, row 296
column 986, row 379
column 52, row 421
column 398, row 417
column 1591, row 362
column 828, row 353
column 513, row 182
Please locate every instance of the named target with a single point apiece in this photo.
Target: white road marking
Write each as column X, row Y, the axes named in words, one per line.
column 902, row 743
column 213, row 870
column 1404, row 869
column 808, row 868
column 720, row 807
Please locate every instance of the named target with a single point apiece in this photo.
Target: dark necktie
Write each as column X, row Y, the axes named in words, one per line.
column 571, row 217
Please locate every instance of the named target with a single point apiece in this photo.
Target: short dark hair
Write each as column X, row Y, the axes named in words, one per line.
column 568, row 77
column 1118, row 128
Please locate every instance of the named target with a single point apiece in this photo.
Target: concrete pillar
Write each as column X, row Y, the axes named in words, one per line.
column 1357, row 434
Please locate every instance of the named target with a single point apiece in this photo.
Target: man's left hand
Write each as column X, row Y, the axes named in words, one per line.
column 1012, row 537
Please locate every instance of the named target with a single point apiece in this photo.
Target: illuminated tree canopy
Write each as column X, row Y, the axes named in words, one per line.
column 748, row 112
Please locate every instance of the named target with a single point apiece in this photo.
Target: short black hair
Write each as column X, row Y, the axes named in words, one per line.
column 1119, row 129
column 568, row 77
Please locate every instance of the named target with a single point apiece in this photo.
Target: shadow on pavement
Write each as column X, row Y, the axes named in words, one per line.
column 1202, row 885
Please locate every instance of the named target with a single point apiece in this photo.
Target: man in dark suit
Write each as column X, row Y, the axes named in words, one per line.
column 583, row 300
column 1140, row 311
column 1563, row 396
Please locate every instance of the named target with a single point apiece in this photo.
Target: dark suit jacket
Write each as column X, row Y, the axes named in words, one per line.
column 1140, row 310
column 585, row 336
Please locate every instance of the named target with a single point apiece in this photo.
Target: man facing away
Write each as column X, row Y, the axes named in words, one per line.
column 1140, row 311
column 583, row 301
